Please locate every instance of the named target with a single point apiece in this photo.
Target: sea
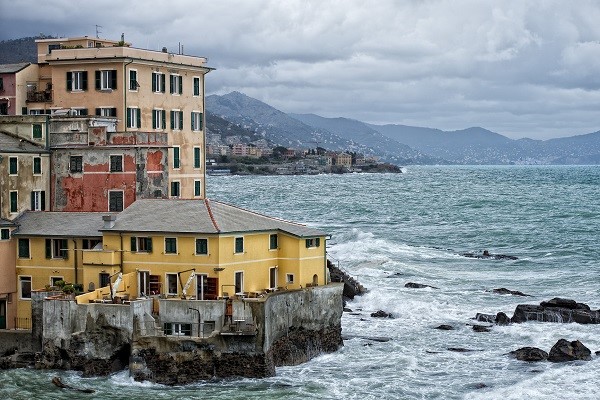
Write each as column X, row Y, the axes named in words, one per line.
column 390, row 229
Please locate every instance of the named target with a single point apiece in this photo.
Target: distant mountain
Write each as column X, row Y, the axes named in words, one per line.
column 18, row 50
column 359, row 132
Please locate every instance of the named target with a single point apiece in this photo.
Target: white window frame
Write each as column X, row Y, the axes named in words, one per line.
column 105, row 111
column 197, row 181
column 110, row 163
column 202, row 279
column 235, row 245
column 53, row 279
column 17, row 171
column 289, row 278
column 122, row 197
column 133, row 116
column 3, row 230
column 177, row 150
column 274, row 286
column 10, row 201
column 77, row 81
column 106, row 79
column 235, row 275
column 37, row 200
column 21, row 279
column 33, row 166
column 77, row 111
column 196, row 247
column 178, row 189
column 177, row 80
column 158, row 118
column 199, row 86
column 157, row 78
column 167, row 286
column 199, row 158
column 36, row 111
column 177, row 120
column 176, row 245
column 196, row 125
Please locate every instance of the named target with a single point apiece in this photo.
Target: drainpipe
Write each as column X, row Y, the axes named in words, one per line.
column 122, row 251
column 125, row 89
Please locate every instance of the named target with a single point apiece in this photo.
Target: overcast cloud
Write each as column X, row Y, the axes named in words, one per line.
column 520, row 68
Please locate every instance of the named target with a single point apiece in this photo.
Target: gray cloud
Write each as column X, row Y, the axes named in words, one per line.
column 520, row 68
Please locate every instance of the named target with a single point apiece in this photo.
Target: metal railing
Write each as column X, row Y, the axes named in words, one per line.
column 22, row 323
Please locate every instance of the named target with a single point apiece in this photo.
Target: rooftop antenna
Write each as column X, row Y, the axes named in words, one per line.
column 98, row 31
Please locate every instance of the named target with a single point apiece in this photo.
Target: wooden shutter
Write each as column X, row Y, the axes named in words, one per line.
column 113, row 112
column 162, row 83
column 192, row 119
column 64, row 252
column 84, row 80
column 133, row 243
column 154, row 119
column 180, row 84
column 138, row 114
column 149, row 244
column 48, row 248
column 129, row 117
column 43, row 200
column 164, row 119
column 98, row 111
column 171, row 84
column 69, row 81
column 181, row 120
column 32, row 208
column 83, row 111
column 113, row 79
column 172, row 119
column 318, row 242
column 98, row 78
column 154, row 88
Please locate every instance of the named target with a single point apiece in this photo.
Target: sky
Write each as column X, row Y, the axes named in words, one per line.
column 520, row 68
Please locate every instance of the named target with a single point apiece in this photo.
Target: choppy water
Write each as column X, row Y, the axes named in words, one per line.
column 415, row 224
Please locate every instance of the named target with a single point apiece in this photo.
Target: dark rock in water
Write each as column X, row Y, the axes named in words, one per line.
column 564, row 350
column 346, row 309
column 487, row 255
column 491, row 318
column 556, row 310
column 512, row 292
column 479, row 385
column 530, row 354
column 444, row 327
column 459, row 349
column 502, row 319
column 598, row 353
column 380, row 339
column 481, row 328
column 414, row 285
column 396, row 275
column 351, row 286
column 381, row 314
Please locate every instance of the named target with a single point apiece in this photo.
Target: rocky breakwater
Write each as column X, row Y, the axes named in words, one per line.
column 556, row 310
column 352, row 287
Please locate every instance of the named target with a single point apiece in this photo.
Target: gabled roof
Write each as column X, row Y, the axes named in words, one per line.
column 12, row 68
column 200, row 216
column 59, row 224
column 12, row 144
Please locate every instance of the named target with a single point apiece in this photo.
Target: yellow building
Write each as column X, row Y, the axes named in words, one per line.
column 170, row 248
column 149, row 92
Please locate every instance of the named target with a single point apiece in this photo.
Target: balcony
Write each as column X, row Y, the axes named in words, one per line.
column 44, row 96
column 96, row 257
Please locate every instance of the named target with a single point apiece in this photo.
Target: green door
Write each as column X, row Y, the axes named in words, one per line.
column 2, row 314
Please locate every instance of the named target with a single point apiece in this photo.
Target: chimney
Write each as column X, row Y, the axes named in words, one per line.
column 164, row 50
column 109, row 221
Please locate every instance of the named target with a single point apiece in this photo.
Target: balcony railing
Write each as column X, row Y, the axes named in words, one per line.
column 22, row 323
column 95, row 257
column 44, row 96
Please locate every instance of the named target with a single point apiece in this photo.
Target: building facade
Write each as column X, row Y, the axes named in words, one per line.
column 13, row 87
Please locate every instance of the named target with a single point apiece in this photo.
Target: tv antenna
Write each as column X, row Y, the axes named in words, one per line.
column 98, row 31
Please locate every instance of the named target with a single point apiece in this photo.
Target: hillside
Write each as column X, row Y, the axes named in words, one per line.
column 18, row 50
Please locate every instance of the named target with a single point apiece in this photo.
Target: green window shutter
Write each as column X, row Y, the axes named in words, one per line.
column 64, row 252
column 24, row 111
column 153, row 119
column 154, row 82
column 69, row 81
column 196, row 86
column 180, row 84
column 98, row 111
column 14, row 207
column 164, row 119
column 171, row 85
column 48, row 248
column 197, row 188
column 138, row 115
column 149, row 244
column 84, row 80
column 307, row 243
column 129, row 117
column 201, row 123
column 113, row 79
column 32, row 207
column 83, row 111
column 196, row 157
column 162, row 83
column 172, row 119
column 318, row 242
column 181, row 120
column 133, row 244
column 37, row 131
column 43, row 200
column 192, row 119
column 98, row 77
column 113, row 112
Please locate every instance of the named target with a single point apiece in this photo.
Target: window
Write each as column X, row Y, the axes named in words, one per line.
column 76, row 163
column 37, row 165
column 133, row 83
column 116, row 163
column 197, row 188
column 313, row 242
column 289, row 278
column 273, row 241
column 38, row 200
column 13, row 165
column 273, row 277
column 89, row 244
column 79, row 111
column 176, row 84
column 239, row 244
column 54, row 279
column 197, row 120
column 159, row 119
column 106, row 79
column 14, row 201
column 196, row 86
column 37, row 130
column 134, row 118
column 36, row 111
column 115, row 200
column 23, row 248
column 175, row 189
column 239, row 282
column 201, row 246
column 106, row 112
column 5, row 234
column 57, row 248
column 170, row 245
column 141, row 244
column 1, row 83
column 104, row 279
column 158, row 82
column 197, row 157
column 176, row 157
column 77, row 81
column 25, row 287
column 177, row 329
column 176, row 120
column 171, row 283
